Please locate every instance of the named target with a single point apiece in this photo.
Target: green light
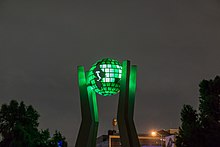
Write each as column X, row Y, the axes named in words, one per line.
column 104, row 77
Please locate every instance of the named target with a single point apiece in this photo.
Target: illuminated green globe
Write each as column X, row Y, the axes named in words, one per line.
column 104, row 77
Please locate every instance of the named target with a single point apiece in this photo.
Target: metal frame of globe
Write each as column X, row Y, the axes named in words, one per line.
column 89, row 110
column 127, row 130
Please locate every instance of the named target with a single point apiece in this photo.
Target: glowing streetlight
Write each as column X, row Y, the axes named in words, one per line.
column 154, row 133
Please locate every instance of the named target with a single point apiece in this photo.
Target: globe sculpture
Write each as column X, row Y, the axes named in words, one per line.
column 104, row 77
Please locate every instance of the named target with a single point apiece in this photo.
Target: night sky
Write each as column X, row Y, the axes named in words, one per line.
column 174, row 43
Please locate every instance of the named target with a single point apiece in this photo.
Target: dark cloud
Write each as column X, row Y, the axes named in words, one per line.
column 175, row 44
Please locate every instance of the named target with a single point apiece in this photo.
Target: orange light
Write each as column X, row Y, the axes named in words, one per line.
column 153, row 133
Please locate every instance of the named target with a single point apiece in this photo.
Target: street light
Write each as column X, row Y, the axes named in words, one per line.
column 154, row 133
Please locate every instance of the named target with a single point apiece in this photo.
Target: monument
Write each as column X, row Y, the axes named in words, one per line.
column 107, row 77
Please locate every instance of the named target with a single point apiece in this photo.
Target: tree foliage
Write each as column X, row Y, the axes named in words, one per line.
column 210, row 111
column 202, row 129
column 58, row 139
column 190, row 128
column 209, row 101
column 19, row 127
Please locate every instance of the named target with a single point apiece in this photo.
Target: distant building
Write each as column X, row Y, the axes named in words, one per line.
column 114, row 141
column 165, row 139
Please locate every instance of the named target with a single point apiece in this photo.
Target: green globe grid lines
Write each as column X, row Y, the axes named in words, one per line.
column 104, row 77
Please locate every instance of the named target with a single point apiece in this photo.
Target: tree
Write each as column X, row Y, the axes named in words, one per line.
column 210, row 101
column 19, row 127
column 190, row 130
column 18, row 124
column 202, row 129
column 210, row 110
column 58, row 140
